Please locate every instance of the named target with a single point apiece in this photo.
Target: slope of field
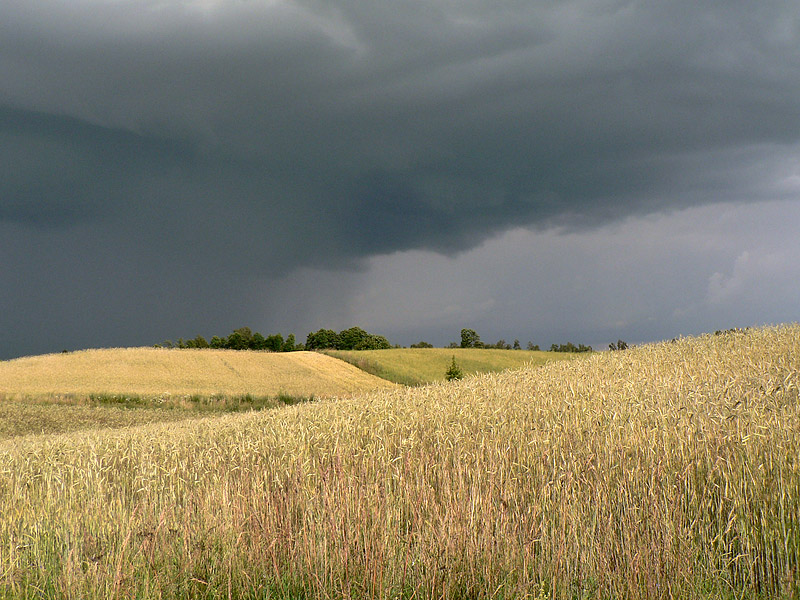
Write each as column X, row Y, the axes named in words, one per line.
column 415, row 366
column 48, row 416
column 666, row 471
column 161, row 373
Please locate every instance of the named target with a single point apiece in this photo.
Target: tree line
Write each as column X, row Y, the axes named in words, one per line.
column 240, row 339
column 244, row 338
column 470, row 339
column 354, row 338
column 570, row 347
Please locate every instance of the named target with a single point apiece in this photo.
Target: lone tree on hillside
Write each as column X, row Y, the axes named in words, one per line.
column 454, row 371
column 470, row 339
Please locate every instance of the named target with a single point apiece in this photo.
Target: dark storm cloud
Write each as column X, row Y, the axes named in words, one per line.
column 206, row 144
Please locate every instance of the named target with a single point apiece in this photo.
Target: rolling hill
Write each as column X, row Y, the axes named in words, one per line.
column 415, row 366
column 160, row 373
column 665, row 471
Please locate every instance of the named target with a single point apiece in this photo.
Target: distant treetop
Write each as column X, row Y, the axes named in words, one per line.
column 354, row 338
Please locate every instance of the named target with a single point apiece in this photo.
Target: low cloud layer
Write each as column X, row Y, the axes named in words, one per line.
column 162, row 160
column 643, row 279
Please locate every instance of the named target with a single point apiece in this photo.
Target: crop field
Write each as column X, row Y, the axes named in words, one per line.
column 157, row 373
column 59, row 393
column 664, row 471
column 62, row 414
column 415, row 366
column 43, row 417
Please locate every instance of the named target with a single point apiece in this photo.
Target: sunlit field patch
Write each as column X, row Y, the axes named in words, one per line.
column 157, row 373
column 415, row 366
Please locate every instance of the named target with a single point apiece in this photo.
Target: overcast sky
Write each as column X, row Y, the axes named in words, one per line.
column 542, row 170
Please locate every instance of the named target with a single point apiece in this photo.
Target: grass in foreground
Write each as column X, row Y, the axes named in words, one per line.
column 668, row 471
column 416, row 366
column 65, row 413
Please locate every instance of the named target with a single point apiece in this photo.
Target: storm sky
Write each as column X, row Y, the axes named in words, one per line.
column 542, row 170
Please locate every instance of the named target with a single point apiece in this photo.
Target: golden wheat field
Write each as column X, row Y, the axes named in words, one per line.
column 665, row 471
column 162, row 373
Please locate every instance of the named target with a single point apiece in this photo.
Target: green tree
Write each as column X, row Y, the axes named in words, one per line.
column 470, row 339
column 620, row 345
column 240, row 339
column 274, row 342
column 373, row 342
column 258, row 342
column 354, row 338
column 289, row 345
column 453, row 371
column 322, row 339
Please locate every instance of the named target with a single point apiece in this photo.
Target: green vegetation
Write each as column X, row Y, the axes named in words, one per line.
column 241, row 339
column 664, row 471
column 354, row 338
column 570, row 347
column 620, row 345
column 416, row 366
column 471, row 339
column 453, row 371
column 68, row 413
